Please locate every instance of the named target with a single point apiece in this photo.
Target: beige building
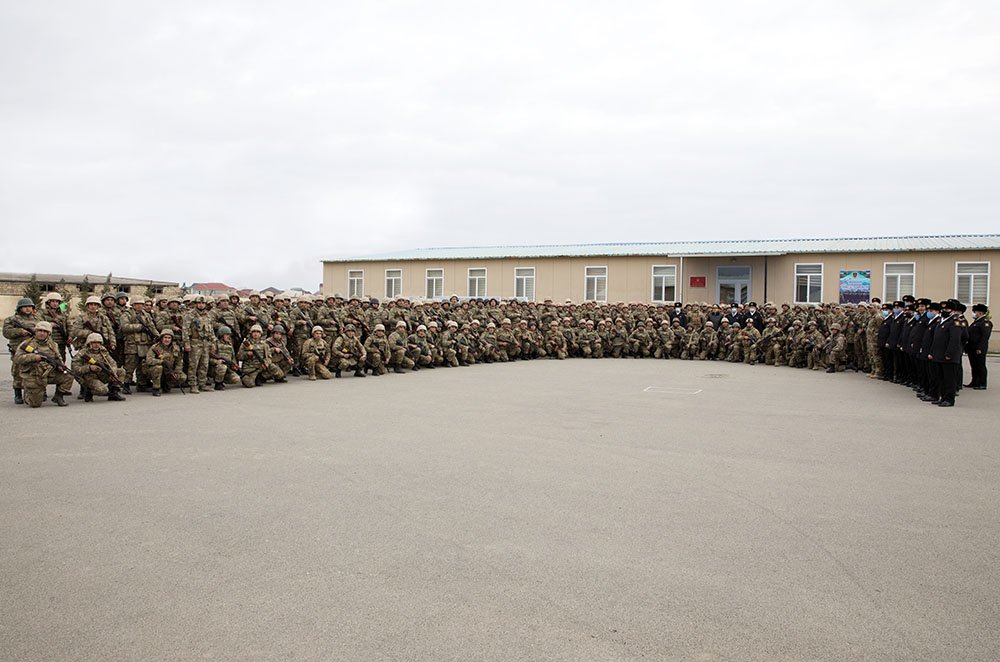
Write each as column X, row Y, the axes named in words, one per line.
column 12, row 286
column 804, row 271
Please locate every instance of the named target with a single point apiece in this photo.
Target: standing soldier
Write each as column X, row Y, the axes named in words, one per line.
column 140, row 334
column 38, row 365
column 197, row 335
column 164, row 364
column 302, row 322
column 109, row 306
column 377, row 350
column 348, row 353
column 222, row 359
column 978, row 344
column 52, row 313
column 315, row 355
column 16, row 329
column 93, row 320
column 946, row 352
column 225, row 316
column 97, row 371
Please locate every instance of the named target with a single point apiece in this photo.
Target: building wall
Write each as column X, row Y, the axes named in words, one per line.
column 630, row 278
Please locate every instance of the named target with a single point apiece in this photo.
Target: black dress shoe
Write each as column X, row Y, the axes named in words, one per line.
column 945, row 403
column 978, row 388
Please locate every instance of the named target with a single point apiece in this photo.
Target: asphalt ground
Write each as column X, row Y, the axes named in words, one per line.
column 546, row 510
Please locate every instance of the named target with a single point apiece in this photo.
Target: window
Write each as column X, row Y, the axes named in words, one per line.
column 524, row 283
column 393, row 283
column 899, row 280
column 355, row 283
column 595, row 284
column 808, row 283
column 477, row 282
column 972, row 282
column 664, row 283
column 435, row 284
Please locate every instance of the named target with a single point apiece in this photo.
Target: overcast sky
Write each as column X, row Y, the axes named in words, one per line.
column 244, row 141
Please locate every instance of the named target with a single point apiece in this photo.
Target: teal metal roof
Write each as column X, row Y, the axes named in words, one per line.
column 957, row 242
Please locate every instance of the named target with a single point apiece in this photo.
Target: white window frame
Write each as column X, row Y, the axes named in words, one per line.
column 654, row 276
column 885, row 280
column 427, row 278
column 795, row 282
column 533, row 284
column 352, row 279
column 587, row 276
column 388, row 294
column 989, row 268
column 468, row 282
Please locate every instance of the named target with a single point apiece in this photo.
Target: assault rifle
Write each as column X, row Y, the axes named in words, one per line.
column 231, row 364
column 59, row 366
column 108, row 372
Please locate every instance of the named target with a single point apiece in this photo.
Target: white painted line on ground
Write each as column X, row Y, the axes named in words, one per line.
column 671, row 389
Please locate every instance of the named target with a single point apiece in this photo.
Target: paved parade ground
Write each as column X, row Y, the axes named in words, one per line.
column 574, row 510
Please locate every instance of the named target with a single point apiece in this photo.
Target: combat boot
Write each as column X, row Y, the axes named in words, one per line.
column 115, row 396
column 155, row 392
column 18, row 396
column 396, row 369
column 194, row 389
column 88, row 395
column 58, row 399
column 336, row 373
column 219, row 386
column 127, row 389
column 359, row 373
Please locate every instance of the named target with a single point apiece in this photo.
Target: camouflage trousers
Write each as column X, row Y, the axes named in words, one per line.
column 158, row 377
column 134, row 357
column 315, row 368
column 223, row 374
column 198, row 364
column 255, row 370
column 399, row 358
column 34, row 386
column 97, row 383
column 375, row 362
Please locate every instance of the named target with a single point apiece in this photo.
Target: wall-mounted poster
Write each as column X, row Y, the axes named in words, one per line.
column 698, row 281
column 855, row 286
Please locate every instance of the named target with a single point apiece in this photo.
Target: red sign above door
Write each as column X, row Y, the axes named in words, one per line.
column 698, row 281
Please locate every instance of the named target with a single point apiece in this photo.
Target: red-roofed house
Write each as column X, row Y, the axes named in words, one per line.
column 212, row 289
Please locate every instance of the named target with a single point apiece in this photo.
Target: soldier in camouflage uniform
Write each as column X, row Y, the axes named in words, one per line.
column 419, row 349
column 165, row 364
column 93, row 320
column 377, row 350
column 664, row 341
column 398, row 348
column 709, row 342
column 555, row 342
column 97, row 371
column 37, row 364
column 348, row 353
column 139, row 331
column 281, row 359
column 315, row 355
column 835, row 347
column 16, row 329
column 814, row 341
column 449, row 344
column 197, row 334
column 52, row 313
column 223, row 364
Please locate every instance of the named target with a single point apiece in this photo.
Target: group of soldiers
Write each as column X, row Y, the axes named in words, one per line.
column 119, row 342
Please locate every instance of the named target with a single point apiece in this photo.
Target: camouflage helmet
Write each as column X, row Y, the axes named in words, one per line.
column 95, row 337
column 167, row 332
column 28, row 302
column 277, row 328
column 121, row 294
column 92, row 299
column 108, row 295
column 257, row 328
column 43, row 326
column 452, row 323
column 835, row 327
column 709, row 324
column 53, row 296
column 350, row 327
column 380, row 327
column 491, row 325
column 317, row 328
column 223, row 331
column 421, row 328
column 400, row 323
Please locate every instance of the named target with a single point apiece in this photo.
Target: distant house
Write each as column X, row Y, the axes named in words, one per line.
column 212, row 289
column 12, row 286
column 273, row 291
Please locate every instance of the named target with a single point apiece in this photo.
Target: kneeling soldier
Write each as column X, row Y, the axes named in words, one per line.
column 348, row 353
column 164, row 362
column 97, row 371
column 315, row 355
column 222, row 360
column 377, row 351
column 255, row 357
column 38, row 365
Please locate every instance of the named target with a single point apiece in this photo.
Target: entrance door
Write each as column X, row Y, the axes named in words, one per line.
column 733, row 285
